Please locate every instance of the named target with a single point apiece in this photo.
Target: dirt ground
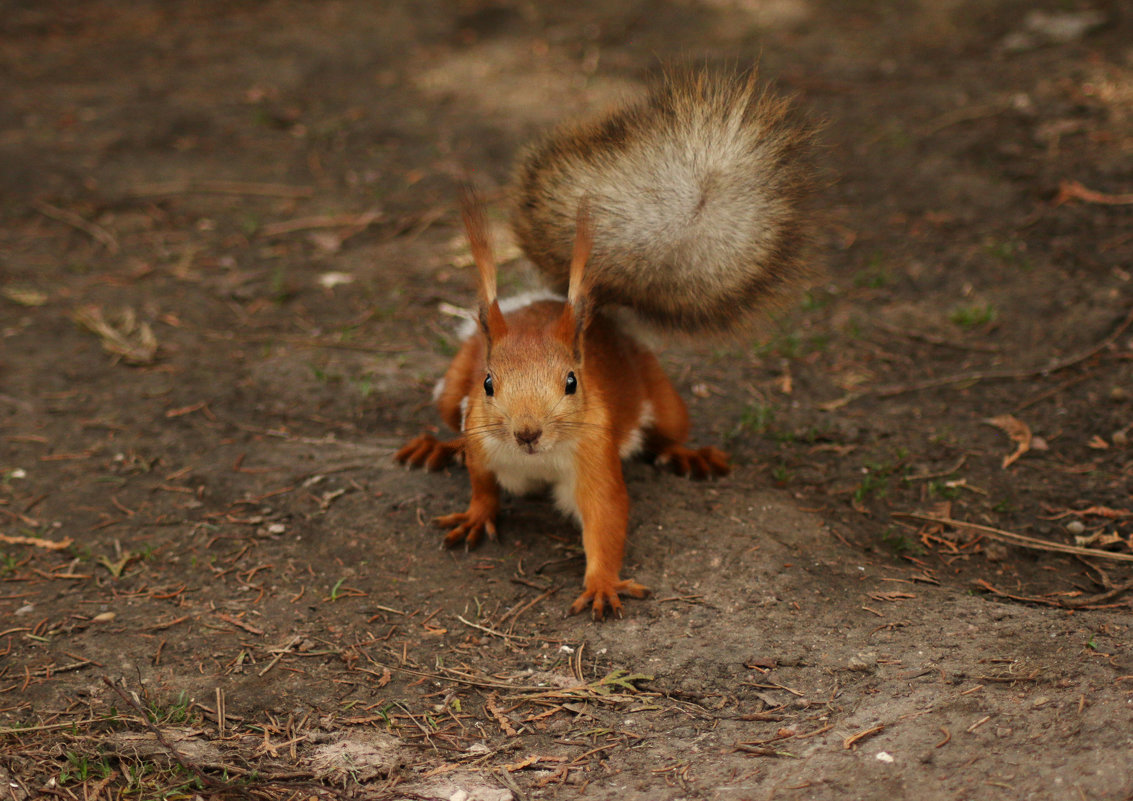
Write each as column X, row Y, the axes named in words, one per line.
column 228, row 244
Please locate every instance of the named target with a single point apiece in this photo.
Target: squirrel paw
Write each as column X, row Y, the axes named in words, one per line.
column 700, row 463
column 467, row 527
column 602, row 593
column 427, row 451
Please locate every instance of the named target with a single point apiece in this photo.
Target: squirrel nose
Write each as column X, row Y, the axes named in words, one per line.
column 528, row 436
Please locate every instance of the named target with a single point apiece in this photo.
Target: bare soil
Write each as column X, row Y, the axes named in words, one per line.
column 227, row 238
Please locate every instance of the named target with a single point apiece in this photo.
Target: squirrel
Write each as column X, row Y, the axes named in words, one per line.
column 687, row 208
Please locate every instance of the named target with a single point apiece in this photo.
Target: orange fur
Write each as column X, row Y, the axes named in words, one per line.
column 536, row 427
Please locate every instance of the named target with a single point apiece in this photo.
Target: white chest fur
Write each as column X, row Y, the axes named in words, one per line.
column 523, row 473
column 631, row 443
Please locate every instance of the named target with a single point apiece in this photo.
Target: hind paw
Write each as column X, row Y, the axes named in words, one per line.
column 700, row 463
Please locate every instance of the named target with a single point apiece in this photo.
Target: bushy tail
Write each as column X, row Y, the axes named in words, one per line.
column 697, row 198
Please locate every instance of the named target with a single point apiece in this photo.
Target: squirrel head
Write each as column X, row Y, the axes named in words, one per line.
column 533, row 395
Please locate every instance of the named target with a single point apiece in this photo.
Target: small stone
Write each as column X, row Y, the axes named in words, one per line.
column 1120, row 439
column 1075, row 527
column 332, row 279
column 104, row 617
column 1064, row 26
column 995, row 552
column 865, row 661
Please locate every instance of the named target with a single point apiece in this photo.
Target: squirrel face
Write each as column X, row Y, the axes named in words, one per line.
column 532, row 397
column 532, row 401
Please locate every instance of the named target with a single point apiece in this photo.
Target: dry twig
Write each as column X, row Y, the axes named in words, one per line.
column 221, row 188
column 1072, row 190
column 1019, row 539
column 853, row 739
column 354, row 222
column 38, row 542
column 94, row 231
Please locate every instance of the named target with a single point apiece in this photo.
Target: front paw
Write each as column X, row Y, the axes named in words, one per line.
column 700, row 463
column 602, row 592
column 427, row 451
column 467, row 527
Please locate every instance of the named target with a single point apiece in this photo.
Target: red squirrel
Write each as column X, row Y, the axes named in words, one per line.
column 688, row 209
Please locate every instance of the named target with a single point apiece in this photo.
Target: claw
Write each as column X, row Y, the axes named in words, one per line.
column 467, row 527
column 602, row 593
column 427, row 451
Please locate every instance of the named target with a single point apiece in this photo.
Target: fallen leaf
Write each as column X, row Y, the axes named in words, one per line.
column 1099, row 539
column 123, row 336
column 24, row 296
column 1019, row 433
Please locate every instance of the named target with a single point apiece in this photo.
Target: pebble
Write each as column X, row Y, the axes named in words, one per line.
column 867, row 660
column 1040, row 27
column 1075, row 527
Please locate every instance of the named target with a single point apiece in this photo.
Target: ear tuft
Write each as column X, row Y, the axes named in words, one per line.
column 583, row 242
column 576, row 312
column 472, row 212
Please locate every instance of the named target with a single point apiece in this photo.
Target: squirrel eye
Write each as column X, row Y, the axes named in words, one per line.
column 571, row 383
column 489, row 390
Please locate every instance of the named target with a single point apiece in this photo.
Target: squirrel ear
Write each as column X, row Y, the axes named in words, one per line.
column 576, row 313
column 472, row 212
column 492, row 322
column 579, row 287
